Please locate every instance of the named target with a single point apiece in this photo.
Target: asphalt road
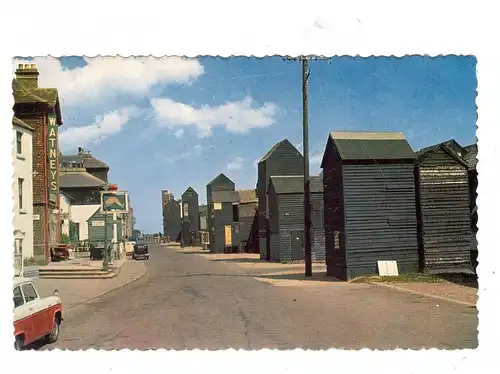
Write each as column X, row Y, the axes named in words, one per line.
column 186, row 301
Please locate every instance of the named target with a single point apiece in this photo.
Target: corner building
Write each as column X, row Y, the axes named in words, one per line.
column 40, row 109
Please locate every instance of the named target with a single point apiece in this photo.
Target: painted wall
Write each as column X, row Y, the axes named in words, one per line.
column 23, row 168
column 65, row 207
column 80, row 214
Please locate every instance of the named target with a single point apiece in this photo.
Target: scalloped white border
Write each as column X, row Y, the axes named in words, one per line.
column 261, row 28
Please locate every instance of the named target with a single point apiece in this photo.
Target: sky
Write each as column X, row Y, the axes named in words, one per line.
column 171, row 123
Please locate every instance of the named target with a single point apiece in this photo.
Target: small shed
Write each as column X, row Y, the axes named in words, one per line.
column 190, row 217
column 369, row 203
column 220, row 183
column 247, row 219
column 282, row 159
column 286, row 218
column 172, row 227
column 225, row 226
column 97, row 233
column 471, row 159
column 443, row 215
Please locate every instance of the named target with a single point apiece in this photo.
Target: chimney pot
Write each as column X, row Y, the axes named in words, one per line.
column 26, row 66
column 33, row 66
column 20, row 66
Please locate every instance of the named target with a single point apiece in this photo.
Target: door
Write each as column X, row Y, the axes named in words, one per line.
column 227, row 235
column 23, row 323
column 38, row 310
column 297, row 244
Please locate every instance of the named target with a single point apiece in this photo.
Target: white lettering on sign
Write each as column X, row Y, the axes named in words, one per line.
column 98, row 223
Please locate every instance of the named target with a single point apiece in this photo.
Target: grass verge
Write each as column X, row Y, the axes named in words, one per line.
column 403, row 278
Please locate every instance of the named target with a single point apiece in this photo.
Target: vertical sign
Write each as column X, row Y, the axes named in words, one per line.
column 185, row 211
column 53, row 165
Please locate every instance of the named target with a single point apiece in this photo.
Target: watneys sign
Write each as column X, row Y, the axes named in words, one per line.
column 53, row 165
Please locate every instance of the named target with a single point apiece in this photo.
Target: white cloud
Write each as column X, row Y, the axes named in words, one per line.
column 237, row 116
column 179, row 133
column 236, row 164
column 197, row 150
column 105, row 77
column 104, row 126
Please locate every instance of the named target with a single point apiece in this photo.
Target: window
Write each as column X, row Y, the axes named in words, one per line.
column 20, row 192
column 235, row 213
column 19, row 142
column 18, row 297
column 29, row 292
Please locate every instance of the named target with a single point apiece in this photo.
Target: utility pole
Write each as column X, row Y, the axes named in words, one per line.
column 305, row 146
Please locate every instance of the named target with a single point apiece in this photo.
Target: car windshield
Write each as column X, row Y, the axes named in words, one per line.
column 29, row 292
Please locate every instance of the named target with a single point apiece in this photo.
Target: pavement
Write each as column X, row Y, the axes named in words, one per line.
column 189, row 301
column 74, row 292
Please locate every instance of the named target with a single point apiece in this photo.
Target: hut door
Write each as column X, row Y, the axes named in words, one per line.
column 297, row 245
column 228, row 236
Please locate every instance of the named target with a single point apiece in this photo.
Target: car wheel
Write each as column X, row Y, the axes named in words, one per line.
column 19, row 343
column 54, row 333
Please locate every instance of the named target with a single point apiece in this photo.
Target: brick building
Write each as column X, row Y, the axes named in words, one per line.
column 40, row 109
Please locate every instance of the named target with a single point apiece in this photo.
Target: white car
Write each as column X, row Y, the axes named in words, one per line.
column 35, row 318
column 129, row 248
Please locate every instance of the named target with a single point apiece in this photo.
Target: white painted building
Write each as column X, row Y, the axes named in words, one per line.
column 65, row 207
column 79, row 215
column 22, row 188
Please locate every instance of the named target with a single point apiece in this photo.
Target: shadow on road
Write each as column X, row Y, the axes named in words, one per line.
column 194, row 253
column 243, row 260
column 317, row 277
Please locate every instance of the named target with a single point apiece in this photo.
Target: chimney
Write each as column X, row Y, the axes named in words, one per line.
column 27, row 76
column 80, row 150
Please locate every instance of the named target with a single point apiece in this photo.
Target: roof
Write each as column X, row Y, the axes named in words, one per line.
column 292, row 184
column 20, row 280
column 427, row 152
column 361, row 146
column 247, row 196
column 190, row 191
column 225, row 196
column 16, row 121
column 274, row 148
column 79, row 179
column 88, row 161
column 49, row 96
column 471, row 156
column 220, row 179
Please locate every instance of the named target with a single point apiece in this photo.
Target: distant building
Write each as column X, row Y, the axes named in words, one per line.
column 172, row 220
column 84, row 160
column 190, row 217
column 40, row 109
column 22, row 188
column 220, row 183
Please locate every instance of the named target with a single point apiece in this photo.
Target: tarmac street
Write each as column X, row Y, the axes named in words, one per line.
column 186, row 301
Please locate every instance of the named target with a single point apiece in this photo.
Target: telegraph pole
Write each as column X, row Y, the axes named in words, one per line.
column 305, row 146
column 307, row 185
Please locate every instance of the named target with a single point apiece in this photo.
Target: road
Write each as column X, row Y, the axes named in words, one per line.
column 186, row 301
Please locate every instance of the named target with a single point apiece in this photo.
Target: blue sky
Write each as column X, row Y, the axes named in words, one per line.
column 174, row 123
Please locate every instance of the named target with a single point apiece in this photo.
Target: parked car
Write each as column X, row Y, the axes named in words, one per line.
column 35, row 317
column 140, row 251
column 129, row 247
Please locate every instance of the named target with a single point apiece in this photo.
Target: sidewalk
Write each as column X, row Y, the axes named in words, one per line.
column 77, row 291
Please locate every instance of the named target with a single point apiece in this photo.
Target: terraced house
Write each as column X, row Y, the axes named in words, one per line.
column 40, row 109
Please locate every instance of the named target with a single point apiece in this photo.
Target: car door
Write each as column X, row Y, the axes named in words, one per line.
column 37, row 309
column 23, row 323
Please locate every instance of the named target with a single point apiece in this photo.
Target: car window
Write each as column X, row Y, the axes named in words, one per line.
column 29, row 292
column 18, row 297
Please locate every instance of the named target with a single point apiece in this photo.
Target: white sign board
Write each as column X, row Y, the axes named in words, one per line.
column 36, row 217
column 388, row 268
column 98, row 223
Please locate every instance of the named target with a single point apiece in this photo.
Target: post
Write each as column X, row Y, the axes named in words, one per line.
column 307, row 186
column 105, row 262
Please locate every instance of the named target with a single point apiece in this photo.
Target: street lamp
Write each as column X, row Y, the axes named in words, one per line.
column 105, row 261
